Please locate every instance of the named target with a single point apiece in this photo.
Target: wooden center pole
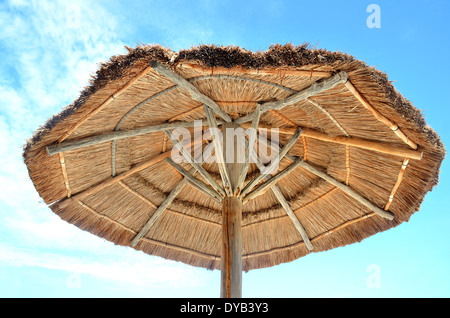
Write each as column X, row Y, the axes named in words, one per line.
column 231, row 277
column 231, row 261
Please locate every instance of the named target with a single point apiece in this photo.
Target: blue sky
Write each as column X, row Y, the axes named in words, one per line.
column 49, row 49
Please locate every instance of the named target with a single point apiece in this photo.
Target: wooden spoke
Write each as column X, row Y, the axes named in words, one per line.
column 190, row 88
column 169, row 199
column 351, row 141
column 273, row 164
column 393, row 126
column 186, row 154
column 97, row 139
column 248, row 147
column 316, row 88
column 352, row 193
column 272, row 181
column 200, row 185
column 287, row 207
column 220, row 158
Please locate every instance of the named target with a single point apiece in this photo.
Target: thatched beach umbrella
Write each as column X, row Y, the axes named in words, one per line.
column 351, row 156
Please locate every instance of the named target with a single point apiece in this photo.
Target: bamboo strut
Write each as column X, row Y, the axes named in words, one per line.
column 155, row 216
column 113, row 180
column 248, row 147
column 315, row 88
column 220, row 158
column 397, row 184
column 347, row 163
column 126, row 187
column 328, row 114
column 296, row 210
column 164, row 145
column 64, row 173
column 102, row 216
column 150, row 203
column 115, row 135
column 282, row 117
column 272, row 181
column 191, row 89
column 322, row 196
column 105, row 103
column 247, row 79
column 305, row 148
column 200, row 185
column 393, row 126
column 309, row 73
column 386, row 214
column 186, row 113
column 316, row 238
column 337, row 228
column 287, row 207
column 273, row 164
column 186, row 154
column 351, row 141
column 169, row 199
column 163, row 244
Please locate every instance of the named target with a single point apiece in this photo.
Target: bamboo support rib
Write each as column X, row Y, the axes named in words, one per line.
column 316, row 238
column 393, row 126
column 386, row 214
column 383, row 213
column 272, row 181
column 273, row 164
column 351, row 141
column 397, row 184
column 323, row 110
column 186, row 154
column 115, row 135
column 189, row 88
column 163, row 206
column 248, row 152
column 305, row 149
column 347, row 164
column 313, row 89
column 220, row 158
column 112, row 180
column 106, row 102
column 140, row 196
column 155, row 216
column 282, row 117
column 163, row 244
column 287, row 207
column 200, row 185
column 64, row 173
column 309, row 73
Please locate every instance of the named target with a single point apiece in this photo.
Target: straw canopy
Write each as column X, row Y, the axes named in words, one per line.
column 356, row 158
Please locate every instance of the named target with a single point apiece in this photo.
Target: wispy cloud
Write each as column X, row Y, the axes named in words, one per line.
column 52, row 47
column 49, row 50
column 126, row 267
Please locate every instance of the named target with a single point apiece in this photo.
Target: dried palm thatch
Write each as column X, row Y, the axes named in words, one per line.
column 361, row 133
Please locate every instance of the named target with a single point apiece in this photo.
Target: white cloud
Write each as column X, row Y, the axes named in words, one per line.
column 49, row 51
column 132, row 268
column 53, row 47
